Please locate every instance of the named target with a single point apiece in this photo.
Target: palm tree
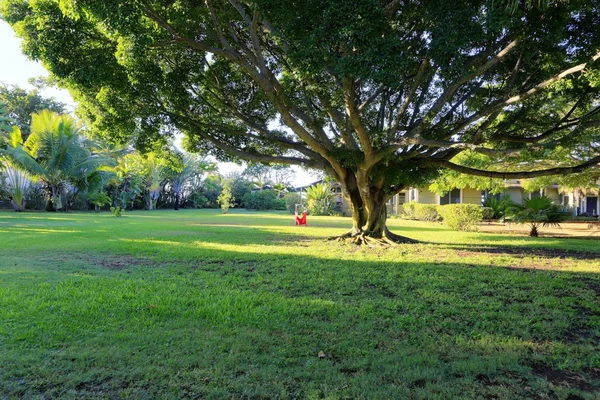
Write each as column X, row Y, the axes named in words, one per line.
column 17, row 179
column 192, row 169
column 536, row 212
column 58, row 156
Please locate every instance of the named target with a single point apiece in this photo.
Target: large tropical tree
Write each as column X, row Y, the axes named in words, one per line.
column 381, row 95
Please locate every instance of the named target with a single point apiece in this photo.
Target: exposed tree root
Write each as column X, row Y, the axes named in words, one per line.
column 367, row 238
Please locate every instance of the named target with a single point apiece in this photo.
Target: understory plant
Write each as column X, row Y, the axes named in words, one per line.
column 321, row 199
column 225, row 199
column 538, row 212
column 117, row 211
column 499, row 206
column 17, row 184
column 99, row 199
column 461, row 217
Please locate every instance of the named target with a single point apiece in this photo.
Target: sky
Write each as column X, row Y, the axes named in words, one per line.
column 16, row 69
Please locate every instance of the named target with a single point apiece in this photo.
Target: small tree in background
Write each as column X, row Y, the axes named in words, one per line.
column 225, row 199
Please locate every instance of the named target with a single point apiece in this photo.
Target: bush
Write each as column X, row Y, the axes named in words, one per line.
column 117, row 211
column 461, row 217
column 225, row 199
column 291, row 199
column 279, row 204
column 499, row 206
column 409, row 210
column 488, row 213
column 260, row 200
column 426, row 212
column 321, row 199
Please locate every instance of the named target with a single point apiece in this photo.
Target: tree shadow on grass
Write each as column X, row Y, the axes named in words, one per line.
column 519, row 251
column 226, row 322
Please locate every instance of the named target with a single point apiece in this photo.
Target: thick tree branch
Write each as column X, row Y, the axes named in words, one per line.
column 522, row 174
column 354, row 115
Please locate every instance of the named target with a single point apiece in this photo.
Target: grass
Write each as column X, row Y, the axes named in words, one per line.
column 194, row 304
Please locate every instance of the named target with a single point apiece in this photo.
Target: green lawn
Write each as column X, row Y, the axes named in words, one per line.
column 194, row 304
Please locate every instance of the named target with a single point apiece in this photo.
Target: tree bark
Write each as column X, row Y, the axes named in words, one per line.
column 176, row 207
column 369, row 213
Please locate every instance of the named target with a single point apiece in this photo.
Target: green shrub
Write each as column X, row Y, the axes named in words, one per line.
column 426, row 212
column 538, row 212
column 225, row 199
column 291, row 199
column 461, row 217
column 279, row 204
column 409, row 210
column 499, row 206
column 260, row 200
column 321, row 199
column 117, row 211
column 488, row 213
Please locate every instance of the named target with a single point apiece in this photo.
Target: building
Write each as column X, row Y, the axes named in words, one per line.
column 580, row 201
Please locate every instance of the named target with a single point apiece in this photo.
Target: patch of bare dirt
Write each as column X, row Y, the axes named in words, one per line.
column 567, row 378
column 110, row 261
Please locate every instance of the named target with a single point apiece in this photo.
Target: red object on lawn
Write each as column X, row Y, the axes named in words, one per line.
column 300, row 220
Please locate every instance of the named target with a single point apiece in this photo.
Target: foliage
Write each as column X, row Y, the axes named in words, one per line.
column 277, row 176
column 291, row 199
column 99, row 199
column 499, row 206
column 379, row 95
column 461, row 217
column 35, row 198
column 426, row 212
column 210, row 189
column 320, row 199
column 226, row 199
column 449, row 180
column 57, row 155
column 536, row 212
column 408, row 210
column 17, row 184
column 21, row 104
column 487, row 213
column 261, row 200
column 117, row 211
column 189, row 176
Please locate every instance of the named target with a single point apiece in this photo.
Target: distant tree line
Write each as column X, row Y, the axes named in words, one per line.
column 49, row 162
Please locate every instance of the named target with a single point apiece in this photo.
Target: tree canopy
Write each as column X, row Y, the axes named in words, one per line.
column 21, row 104
column 380, row 94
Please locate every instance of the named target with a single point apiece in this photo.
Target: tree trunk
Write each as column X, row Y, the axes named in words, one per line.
column 176, row 201
column 534, row 231
column 369, row 214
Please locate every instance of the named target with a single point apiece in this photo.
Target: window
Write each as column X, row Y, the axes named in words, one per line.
column 452, row 197
column 401, row 198
column 536, row 194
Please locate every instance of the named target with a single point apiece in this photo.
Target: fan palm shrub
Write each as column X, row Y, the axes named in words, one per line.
column 321, row 199
column 58, row 156
column 538, row 212
column 17, row 180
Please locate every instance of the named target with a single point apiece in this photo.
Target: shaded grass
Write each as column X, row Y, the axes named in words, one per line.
column 194, row 304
